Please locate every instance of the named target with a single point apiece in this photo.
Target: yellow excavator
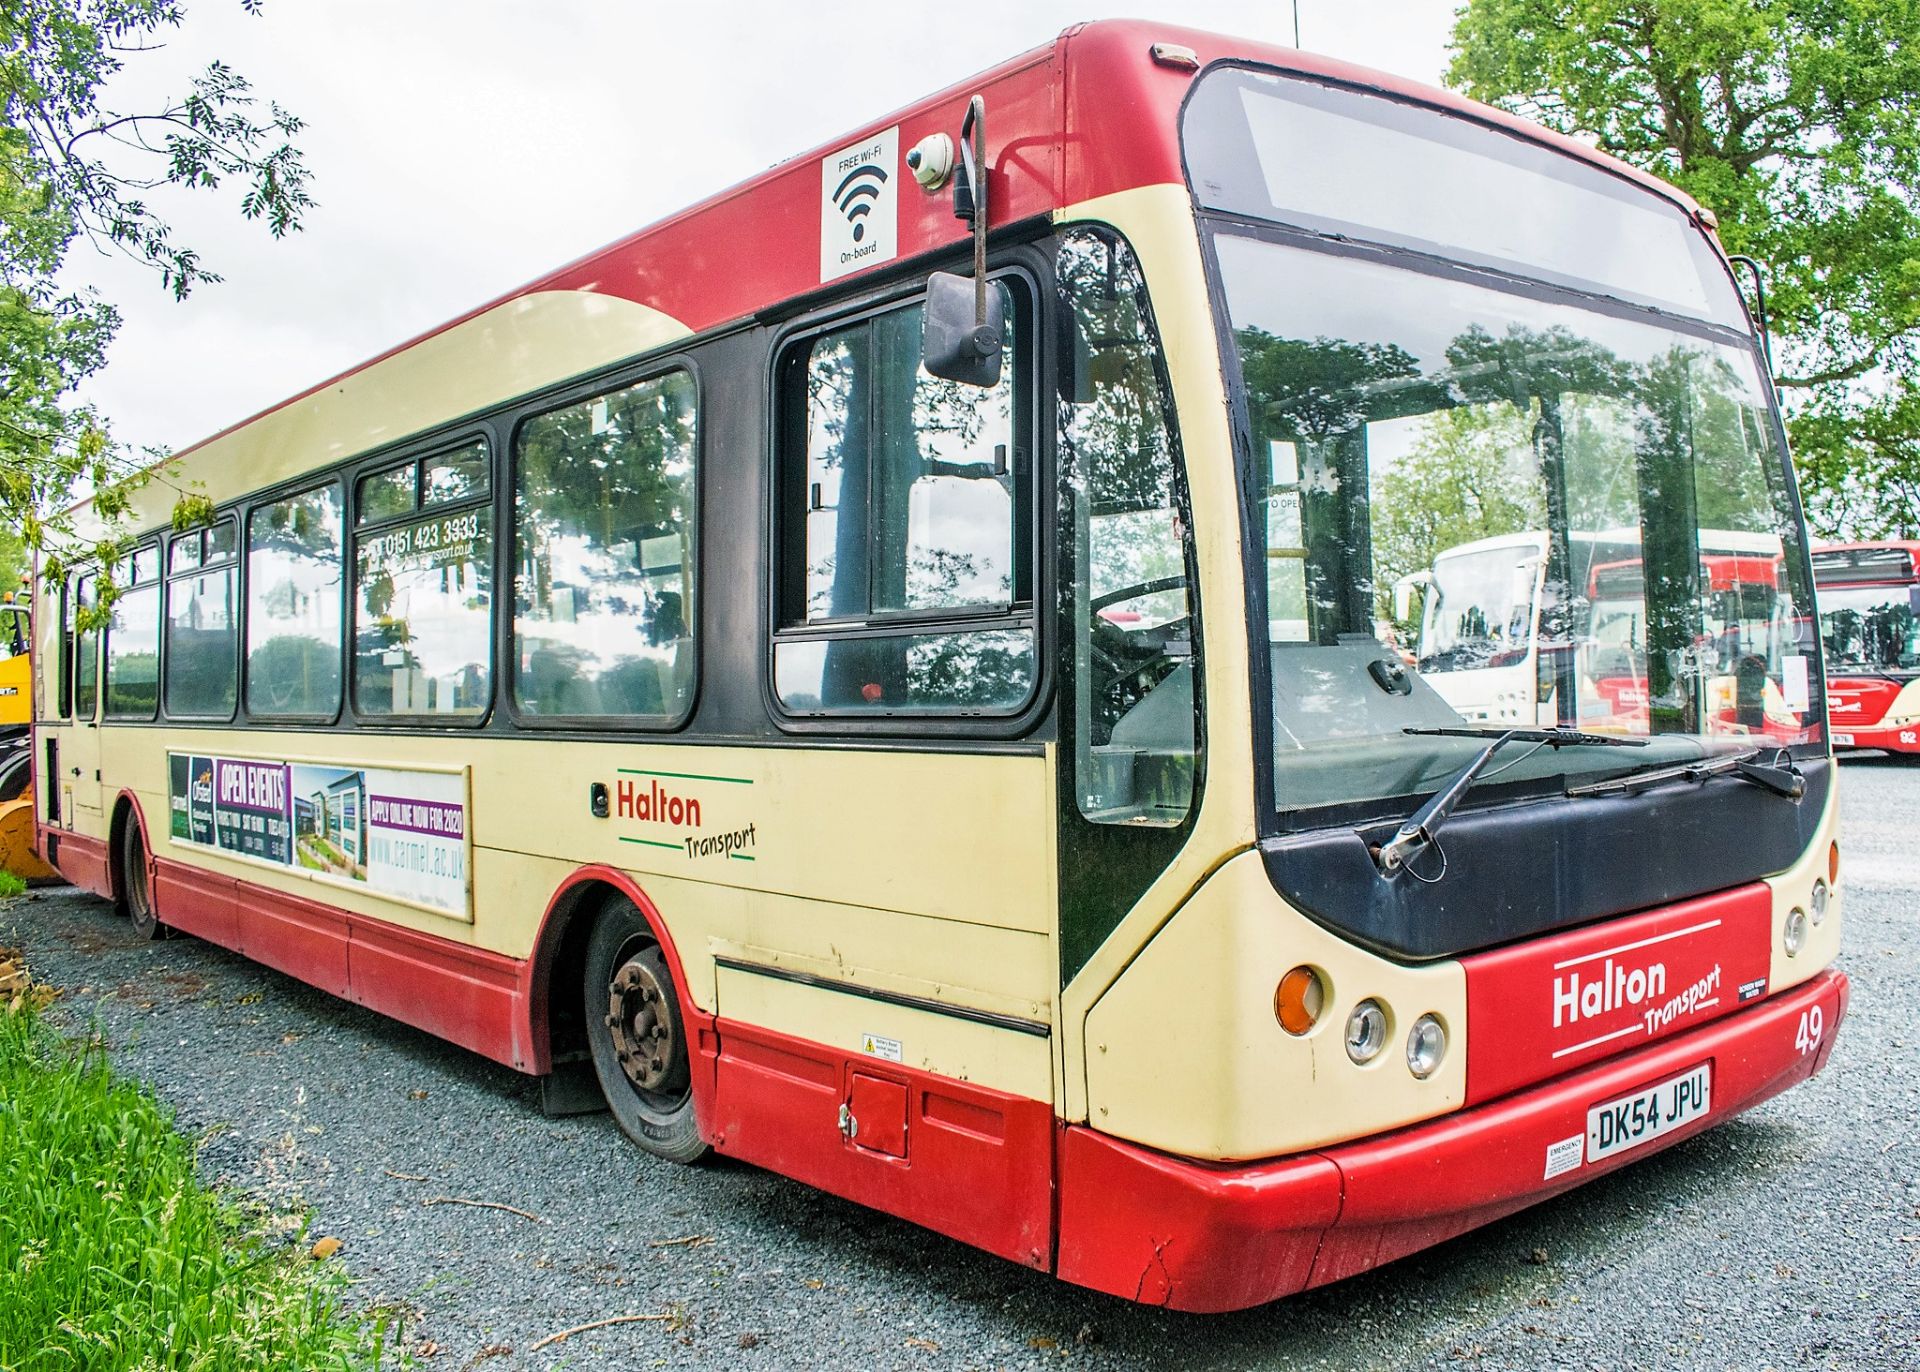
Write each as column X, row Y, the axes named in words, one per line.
column 16, row 745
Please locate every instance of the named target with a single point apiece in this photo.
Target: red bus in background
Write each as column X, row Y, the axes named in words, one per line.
column 1742, row 627
column 1869, row 596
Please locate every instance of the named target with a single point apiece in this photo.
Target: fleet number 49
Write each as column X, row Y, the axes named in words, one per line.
column 1813, row 1023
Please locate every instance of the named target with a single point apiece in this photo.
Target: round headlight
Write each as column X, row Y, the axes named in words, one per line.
column 1794, row 937
column 1366, row 1031
column 1426, row 1045
column 1817, row 903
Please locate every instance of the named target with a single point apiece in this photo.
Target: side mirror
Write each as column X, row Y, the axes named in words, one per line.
column 955, row 345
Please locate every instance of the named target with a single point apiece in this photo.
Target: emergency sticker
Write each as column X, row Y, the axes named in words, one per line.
column 1565, row 1155
column 874, row 1046
column 859, row 205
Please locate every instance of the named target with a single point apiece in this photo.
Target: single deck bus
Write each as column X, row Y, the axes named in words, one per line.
column 1870, row 633
column 900, row 706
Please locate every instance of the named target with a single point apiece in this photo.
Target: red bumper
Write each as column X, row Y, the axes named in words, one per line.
column 1210, row 1237
column 1893, row 740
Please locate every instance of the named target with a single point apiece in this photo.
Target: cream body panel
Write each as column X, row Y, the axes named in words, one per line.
column 515, row 348
column 1904, row 711
column 1184, row 1053
column 850, row 878
column 1000, row 1059
column 1793, row 887
column 1158, row 221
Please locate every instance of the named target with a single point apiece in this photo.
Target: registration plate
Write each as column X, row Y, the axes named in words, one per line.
column 1843, row 740
column 1629, row 1121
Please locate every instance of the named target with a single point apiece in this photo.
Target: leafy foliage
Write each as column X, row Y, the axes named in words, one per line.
column 1798, row 123
column 1469, row 475
column 72, row 169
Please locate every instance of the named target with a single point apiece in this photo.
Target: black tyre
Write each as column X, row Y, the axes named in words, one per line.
column 136, row 892
column 16, row 773
column 638, row 1036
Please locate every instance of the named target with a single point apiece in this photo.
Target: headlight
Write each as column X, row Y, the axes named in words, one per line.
column 1817, row 903
column 1794, row 937
column 1366, row 1031
column 1426, row 1045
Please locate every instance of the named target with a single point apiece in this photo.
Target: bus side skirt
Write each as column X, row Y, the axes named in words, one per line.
column 964, row 1160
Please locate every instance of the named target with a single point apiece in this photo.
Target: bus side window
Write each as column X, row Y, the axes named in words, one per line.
column 294, row 612
column 86, row 656
column 423, row 588
column 604, row 556
column 202, row 625
column 63, row 649
column 905, row 559
column 132, row 687
column 1135, row 662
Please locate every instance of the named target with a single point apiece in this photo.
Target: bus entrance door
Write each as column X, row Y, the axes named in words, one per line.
column 80, row 774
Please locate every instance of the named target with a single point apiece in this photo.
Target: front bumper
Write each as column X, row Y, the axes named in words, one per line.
column 1225, row 1236
column 1904, row 738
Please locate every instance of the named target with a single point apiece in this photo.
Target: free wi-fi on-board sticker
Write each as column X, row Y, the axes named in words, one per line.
column 859, row 205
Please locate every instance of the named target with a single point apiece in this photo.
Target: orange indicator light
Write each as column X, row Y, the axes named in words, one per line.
column 1833, row 862
column 1299, row 999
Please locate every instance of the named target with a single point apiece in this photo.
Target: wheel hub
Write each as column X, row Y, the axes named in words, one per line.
column 638, row 1020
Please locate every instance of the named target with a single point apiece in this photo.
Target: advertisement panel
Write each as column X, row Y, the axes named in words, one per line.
column 387, row 830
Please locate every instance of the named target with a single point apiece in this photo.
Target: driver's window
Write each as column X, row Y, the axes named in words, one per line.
column 1135, row 665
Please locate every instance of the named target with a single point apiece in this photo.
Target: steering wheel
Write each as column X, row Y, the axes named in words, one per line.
column 1117, row 652
column 1114, row 597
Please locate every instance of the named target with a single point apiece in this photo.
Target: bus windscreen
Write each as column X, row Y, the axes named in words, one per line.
column 1396, row 415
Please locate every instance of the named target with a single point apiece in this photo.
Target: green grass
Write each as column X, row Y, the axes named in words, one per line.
column 112, row 1255
column 11, row 885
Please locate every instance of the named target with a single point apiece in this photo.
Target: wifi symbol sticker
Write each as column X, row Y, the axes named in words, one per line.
column 859, row 205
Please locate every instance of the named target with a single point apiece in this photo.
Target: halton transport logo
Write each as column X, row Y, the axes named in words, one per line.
column 674, row 817
column 1615, row 988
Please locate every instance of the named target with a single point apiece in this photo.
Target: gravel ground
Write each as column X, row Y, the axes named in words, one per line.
column 1787, row 1238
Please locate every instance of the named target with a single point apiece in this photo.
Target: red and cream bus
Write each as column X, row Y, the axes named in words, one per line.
column 1870, row 637
column 902, row 707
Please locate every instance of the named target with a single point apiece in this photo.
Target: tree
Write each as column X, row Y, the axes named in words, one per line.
column 74, row 170
column 1470, row 474
column 1797, row 122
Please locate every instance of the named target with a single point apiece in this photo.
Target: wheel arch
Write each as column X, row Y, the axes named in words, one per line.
column 126, row 810
column 556, row 1028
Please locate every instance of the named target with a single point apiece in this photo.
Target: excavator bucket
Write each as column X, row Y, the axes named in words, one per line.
column 16, row 841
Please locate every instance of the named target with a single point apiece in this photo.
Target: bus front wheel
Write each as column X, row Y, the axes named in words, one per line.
column 638, row 1036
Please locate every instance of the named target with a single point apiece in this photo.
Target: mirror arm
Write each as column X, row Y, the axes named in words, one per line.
column 1759, row 275
column 973, row 156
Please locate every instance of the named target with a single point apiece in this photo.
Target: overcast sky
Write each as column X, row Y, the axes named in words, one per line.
column 463, row 147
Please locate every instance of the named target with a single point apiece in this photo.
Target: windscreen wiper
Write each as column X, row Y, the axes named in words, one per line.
column 1779, row 776
column 1423, row 825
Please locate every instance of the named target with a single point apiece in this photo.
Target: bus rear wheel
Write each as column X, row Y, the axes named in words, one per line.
column 638, row 1036
column 136, row 888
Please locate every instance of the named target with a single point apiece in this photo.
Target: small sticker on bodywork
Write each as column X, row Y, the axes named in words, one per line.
column 859, row 205
column 1565, row 1155
column 875, row 1046
column 1752, row 990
